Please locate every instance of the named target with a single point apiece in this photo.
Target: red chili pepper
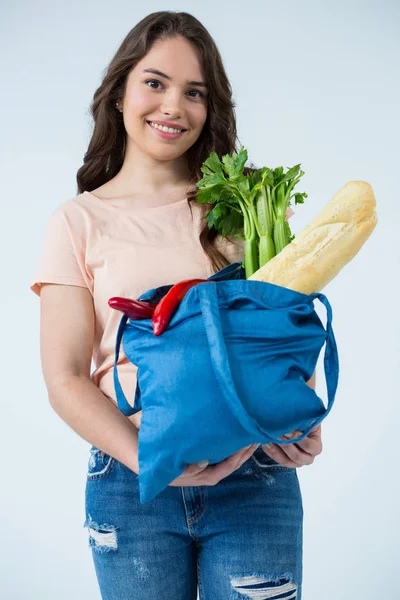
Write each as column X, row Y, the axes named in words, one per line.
column 170, row 302
column 134, row 309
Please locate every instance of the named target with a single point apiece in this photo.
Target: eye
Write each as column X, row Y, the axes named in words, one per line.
column 201, row 95
column 157, row 82
column 153, row 81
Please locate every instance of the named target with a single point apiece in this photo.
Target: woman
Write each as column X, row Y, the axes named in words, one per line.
column 234, row 529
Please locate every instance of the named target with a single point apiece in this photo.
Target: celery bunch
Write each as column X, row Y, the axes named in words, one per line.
column 251, row 206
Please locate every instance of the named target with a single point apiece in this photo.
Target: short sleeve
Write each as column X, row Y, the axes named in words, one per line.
column 62, row 255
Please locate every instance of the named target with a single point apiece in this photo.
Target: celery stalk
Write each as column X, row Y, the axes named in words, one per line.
column 251, row 237
column 280, row 235
column 266, row 249
column 250, row 256
column 266, row 246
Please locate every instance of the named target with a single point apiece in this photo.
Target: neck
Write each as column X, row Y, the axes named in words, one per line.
column 146, row 175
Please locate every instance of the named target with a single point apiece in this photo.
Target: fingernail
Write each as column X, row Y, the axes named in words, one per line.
column 294, row 434
column 269, row 446
column 202, row 464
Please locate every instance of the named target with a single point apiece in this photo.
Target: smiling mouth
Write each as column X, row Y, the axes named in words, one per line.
column 150, row 123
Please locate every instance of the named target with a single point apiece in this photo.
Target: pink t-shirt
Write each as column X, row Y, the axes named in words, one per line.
column 113, row 249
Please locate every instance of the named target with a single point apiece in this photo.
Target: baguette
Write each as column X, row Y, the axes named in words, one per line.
column 327, row 244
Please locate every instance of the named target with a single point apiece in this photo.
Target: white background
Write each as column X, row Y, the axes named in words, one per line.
column 315, row 82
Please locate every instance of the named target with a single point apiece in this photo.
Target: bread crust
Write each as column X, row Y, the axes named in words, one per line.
column 332, row 239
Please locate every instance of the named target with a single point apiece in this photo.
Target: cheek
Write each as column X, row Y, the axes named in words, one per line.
column 140, row 102
column 200, row 116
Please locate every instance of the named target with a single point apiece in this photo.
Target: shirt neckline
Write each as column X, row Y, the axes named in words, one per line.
column 140, row 209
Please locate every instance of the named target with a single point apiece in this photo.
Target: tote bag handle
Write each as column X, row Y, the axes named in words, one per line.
column 208, row 296
column 122, row 402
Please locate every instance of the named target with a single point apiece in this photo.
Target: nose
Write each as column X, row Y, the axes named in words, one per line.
column 172, row 105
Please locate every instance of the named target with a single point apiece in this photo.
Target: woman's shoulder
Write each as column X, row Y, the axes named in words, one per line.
column 105, row 192
column 75, row 215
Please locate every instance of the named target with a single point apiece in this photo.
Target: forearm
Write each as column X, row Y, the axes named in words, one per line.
column 95, row 418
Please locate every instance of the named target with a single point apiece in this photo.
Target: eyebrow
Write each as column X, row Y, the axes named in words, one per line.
column 156, row 72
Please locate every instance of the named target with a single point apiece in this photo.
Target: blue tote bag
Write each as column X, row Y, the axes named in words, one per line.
column 230, row 370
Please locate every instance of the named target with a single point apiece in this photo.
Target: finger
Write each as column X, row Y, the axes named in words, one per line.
column 193, row 469
column 276, row 453
column 297, row 455
column 245, row 453
column 309, row 444
column 238, row 458
column 231, row 463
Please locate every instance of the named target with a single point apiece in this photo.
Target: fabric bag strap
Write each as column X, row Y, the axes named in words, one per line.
column 208, row 296
column 122, row 402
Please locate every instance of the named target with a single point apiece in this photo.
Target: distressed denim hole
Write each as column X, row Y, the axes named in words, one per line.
column 264, row 587
column 102, row 538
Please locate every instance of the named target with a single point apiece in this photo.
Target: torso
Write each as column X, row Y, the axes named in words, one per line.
column 109, row 191
column 136, row 419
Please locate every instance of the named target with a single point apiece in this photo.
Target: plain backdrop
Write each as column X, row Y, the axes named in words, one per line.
column 315, row 83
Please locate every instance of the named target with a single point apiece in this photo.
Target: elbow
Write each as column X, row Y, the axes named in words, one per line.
column 60, row 389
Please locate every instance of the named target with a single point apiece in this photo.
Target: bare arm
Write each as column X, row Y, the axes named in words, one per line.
column 66, row 345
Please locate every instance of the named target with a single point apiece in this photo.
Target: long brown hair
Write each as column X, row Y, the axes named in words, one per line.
column 106, row 150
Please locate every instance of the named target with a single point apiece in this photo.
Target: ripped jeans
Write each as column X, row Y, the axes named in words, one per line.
column 239, row 540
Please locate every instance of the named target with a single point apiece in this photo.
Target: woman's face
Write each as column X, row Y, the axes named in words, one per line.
column 170, row 98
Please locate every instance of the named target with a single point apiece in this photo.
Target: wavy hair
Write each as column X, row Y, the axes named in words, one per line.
column 105, row 154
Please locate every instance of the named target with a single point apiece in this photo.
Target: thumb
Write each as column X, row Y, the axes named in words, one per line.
column 195, row 468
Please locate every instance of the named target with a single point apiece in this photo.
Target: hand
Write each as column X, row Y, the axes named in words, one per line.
column 298, row 454
column 194, row 475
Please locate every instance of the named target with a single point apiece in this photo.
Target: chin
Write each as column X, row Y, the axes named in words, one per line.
column 164, row 154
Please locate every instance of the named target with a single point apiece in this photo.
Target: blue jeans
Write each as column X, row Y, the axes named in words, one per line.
column 240, row 539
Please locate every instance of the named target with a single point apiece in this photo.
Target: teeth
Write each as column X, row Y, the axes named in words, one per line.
column 166, row 129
